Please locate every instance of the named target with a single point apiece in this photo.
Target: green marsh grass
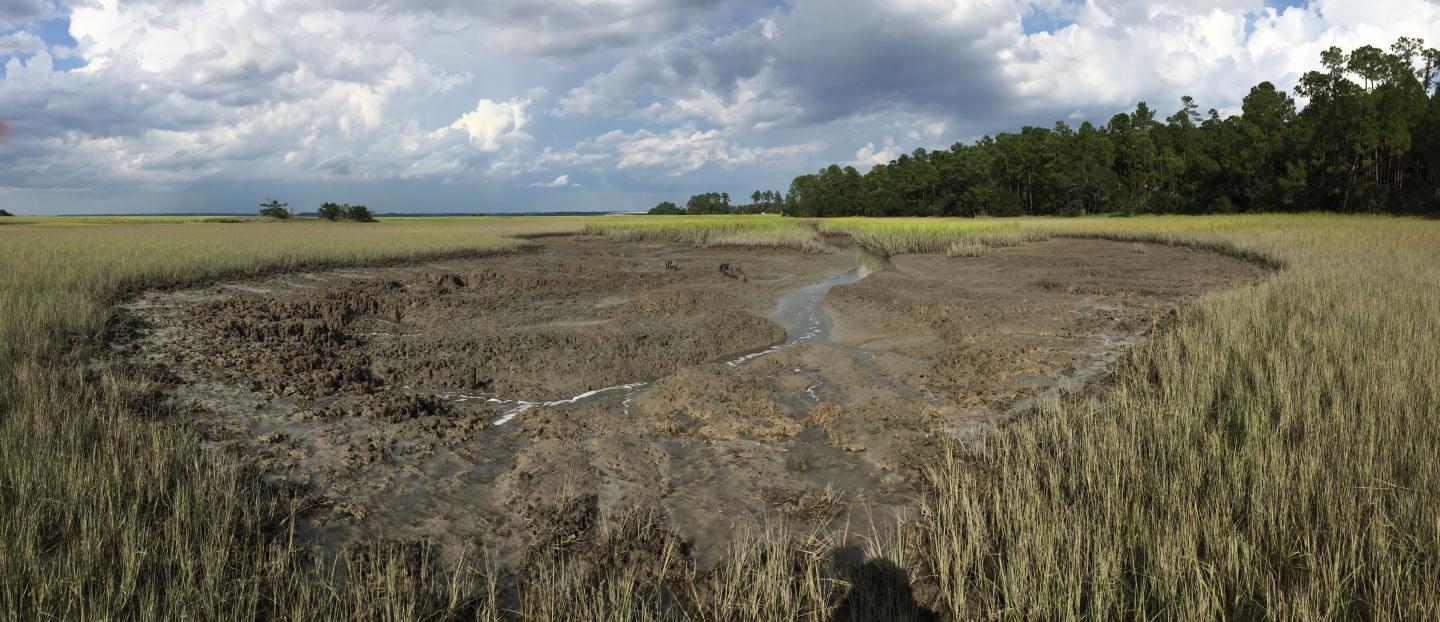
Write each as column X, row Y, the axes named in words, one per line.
column 752, row 231
column 957, row 237
column 1270, row 453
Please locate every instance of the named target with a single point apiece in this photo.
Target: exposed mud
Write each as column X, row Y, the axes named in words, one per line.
column 462, row 401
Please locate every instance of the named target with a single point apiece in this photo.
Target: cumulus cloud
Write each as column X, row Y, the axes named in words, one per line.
column 20, row 43
column 930, row 130
column 559, row 182
column 493, row 123
column 973, row 67
column 682, row 150
column 1117, row 52
column 868, row 156
column 185, row 90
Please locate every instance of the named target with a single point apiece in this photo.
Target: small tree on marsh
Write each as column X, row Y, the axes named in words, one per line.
column 331, row 211
column 359, row 213
column 346, row 211
column 275, row 209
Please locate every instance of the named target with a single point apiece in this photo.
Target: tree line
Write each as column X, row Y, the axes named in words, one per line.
column 761, row 202
column 1366, row 140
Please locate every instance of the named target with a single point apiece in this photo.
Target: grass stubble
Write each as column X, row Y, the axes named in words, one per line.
column 1271, row 453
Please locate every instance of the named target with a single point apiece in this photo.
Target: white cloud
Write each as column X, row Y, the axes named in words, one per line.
column 179, row 91
column 677, row 151
column 560, row 182
column 20, row 43
column 869, row 156
column 493, row 123
column 768, row 29
column 1117, row 52
column 972, row 62
column 928, row 131
column 682, row 150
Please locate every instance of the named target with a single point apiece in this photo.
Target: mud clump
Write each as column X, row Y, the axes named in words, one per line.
column 733, row 272
column 829, row 418
column 392, row 407
column 721, row 404
column 544, row 422
column 815, row 506
column 571, row 522
column 445, row 281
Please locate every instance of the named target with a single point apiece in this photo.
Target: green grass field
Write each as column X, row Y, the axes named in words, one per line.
column 1271, row 454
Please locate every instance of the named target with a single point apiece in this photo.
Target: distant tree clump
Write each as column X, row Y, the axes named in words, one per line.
column 1367, row 140
column 708, row 203
column 4, row 213
column 762, row 202
column 337, row 211
column 275, row 209
column 359, row 213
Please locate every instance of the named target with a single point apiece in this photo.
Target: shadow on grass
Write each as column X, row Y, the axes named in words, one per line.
column 879, row 590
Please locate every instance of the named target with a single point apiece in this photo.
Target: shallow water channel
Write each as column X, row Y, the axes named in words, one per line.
column 801, row 311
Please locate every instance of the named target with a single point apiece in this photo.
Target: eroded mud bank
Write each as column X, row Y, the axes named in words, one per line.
column 379, row 390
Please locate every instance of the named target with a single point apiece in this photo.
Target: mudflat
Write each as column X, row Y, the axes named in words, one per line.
column 465, row 401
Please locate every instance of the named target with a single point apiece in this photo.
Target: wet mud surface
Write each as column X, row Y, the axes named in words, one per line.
column 463, row 401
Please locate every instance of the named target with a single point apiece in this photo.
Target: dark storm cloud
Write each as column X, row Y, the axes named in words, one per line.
column 820, row 61
column 930, row 57
column 63, row 104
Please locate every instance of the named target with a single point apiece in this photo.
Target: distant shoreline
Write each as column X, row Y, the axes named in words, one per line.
column 377, row 215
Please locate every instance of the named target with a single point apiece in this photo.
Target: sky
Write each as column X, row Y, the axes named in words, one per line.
column 468, row 106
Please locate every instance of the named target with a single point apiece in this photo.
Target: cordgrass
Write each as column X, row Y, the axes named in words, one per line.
column 954, row 236
column 1271, row 453
column 753, row 231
